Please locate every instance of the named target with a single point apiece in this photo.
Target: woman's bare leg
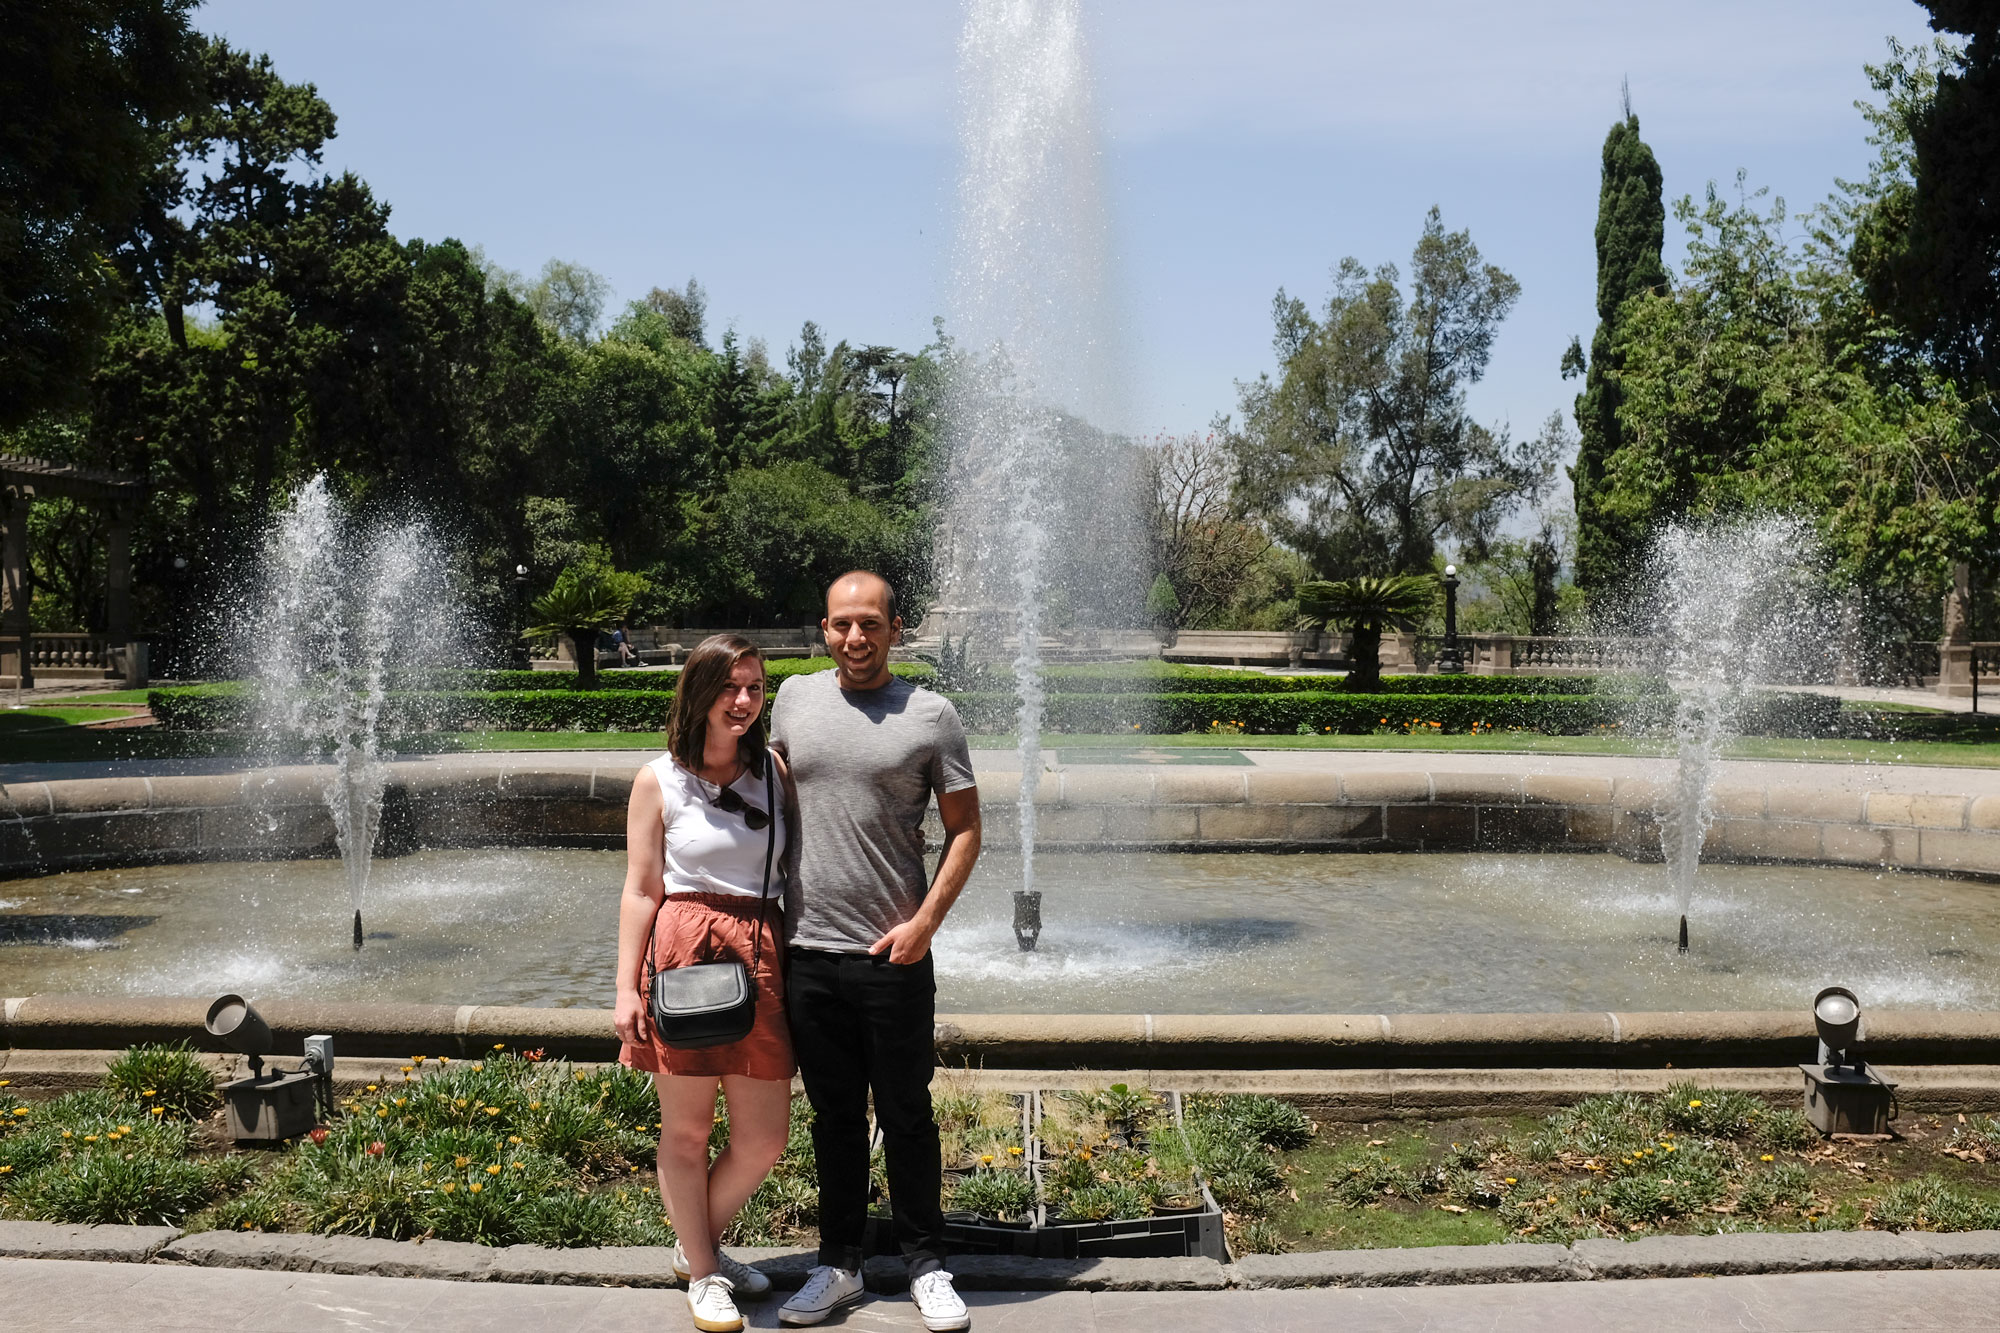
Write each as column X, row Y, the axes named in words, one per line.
column 760, row 1115
column 687, row 1112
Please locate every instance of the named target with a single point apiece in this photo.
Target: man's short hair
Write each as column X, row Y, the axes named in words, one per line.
column 888, row 588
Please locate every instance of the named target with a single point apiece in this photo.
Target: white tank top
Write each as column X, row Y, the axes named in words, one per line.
column 709, row 849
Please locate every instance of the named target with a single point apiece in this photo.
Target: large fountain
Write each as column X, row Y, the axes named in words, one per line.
column 1032, row 313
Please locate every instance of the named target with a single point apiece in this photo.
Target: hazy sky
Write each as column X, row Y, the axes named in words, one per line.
column 798, row 158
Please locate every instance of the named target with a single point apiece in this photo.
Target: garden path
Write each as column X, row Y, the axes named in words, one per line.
column 43, row 1295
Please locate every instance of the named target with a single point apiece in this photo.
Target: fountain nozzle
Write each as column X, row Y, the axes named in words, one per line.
column 357, row 930
column 1684, row 935
column 1027, row 918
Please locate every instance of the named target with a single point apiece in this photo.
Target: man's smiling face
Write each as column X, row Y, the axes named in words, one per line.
column 860, row 631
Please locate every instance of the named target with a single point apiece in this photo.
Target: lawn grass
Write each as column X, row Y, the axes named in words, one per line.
column 40, row 718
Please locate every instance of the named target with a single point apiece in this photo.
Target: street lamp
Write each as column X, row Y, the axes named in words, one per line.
column 1450, row 661
column 517, row 656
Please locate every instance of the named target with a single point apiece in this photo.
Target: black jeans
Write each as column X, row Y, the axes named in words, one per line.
column 861, row 1022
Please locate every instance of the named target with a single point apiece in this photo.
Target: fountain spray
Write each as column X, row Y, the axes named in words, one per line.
column 341, row 606
column 1732, row 596
column 1029, row 303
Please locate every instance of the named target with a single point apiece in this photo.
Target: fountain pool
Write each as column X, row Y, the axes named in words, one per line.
column 1150, row 932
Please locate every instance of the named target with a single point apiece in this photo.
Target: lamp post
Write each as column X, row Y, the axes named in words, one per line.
column 517, row 656
column 1450, row 661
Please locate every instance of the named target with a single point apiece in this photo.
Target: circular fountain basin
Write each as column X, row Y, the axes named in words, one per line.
column 1125, row 933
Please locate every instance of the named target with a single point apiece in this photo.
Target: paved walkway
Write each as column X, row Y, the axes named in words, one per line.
column 44, row 1294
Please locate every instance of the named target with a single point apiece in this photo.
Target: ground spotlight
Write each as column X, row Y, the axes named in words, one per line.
column 1843, row 1095
column 267, row 1108
column 1027, row 918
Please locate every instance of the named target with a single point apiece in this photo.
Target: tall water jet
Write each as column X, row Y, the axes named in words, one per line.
column 1033, row 363
column 1733, row 611
column 339, row 608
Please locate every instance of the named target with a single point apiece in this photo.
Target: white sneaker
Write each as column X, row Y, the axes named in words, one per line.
column 937, row 1301
column 746, row 1280
column 710, row 1304
column 827, row 1289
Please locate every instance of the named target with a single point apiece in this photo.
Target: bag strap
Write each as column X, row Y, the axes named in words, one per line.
column 763, row 894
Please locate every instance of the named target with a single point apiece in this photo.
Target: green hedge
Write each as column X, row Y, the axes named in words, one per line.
column 1770, row 713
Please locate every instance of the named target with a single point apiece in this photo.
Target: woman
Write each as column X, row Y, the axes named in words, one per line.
column 706, row 837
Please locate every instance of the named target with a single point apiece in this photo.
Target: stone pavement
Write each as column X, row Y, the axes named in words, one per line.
column 43, row 1294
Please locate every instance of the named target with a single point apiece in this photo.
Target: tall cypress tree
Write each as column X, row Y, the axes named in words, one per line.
column 1631, row 229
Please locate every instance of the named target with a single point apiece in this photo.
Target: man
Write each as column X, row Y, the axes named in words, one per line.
column 868, row 752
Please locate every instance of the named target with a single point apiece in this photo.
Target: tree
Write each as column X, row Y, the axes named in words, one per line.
column 1930, row 254
column 586, row 600
column 686, row 311
column 81, row 83
column 1631, row 230
column 1746, row 388
column 1202, row 547
column 570, row 299
column 1367, row 605
column 1361, row 455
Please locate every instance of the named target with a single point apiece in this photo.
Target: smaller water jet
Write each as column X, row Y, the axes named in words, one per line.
column 323, row 643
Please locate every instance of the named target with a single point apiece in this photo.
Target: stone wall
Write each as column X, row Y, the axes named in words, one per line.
column 476, row 801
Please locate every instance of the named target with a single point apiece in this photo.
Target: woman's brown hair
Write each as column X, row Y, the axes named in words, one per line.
column 703, row 678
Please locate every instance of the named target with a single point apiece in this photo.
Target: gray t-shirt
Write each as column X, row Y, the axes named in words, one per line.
column 866, row 763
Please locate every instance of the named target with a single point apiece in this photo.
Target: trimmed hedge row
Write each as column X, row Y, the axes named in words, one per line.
column 210, row 708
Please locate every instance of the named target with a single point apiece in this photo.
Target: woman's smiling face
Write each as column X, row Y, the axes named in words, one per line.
column 736, row 709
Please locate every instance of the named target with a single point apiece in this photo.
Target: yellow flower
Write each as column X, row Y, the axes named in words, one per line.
column 159, row 1110
column 458, row 1101
column 448, row 1187
column 517, row 1166
column 417, row 1059
column 371, row 1087
column 461, row 1162
column 1083, row 1153
column 1766, row 1158
column 402, row 1101
column 408, row 1068
column 444, row 1059
column 479, row 1067
column 513, row 1138
column 6, row 1170
column 492, row 1110
column 1512, row 1181
column 1696, row 1102
column 499, row 1045
column 149, row 1093
column 247, row 1226
column 66, row 1134
column 381, row 1113
column 124, row 1129
column 536, row 1106
column 20, row 1110
column 578, row 1076
column 1013, row 1152
column 493, row 1170
column 986, row 1159
column 90, row 1138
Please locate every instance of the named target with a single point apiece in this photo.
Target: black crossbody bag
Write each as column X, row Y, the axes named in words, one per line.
column 711, row 1004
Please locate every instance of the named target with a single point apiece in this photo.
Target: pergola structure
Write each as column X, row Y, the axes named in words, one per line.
column 24, row 480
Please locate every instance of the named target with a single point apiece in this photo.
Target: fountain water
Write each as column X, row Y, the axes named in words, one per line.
column 339, row 608
column 1030, row 298
column 1733, row 612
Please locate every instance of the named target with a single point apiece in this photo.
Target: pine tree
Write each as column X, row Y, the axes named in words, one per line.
column 1631, row 229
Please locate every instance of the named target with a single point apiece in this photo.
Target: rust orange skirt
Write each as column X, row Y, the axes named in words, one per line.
column 707, row 928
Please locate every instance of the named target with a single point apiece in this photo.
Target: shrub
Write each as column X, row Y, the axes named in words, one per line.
column 998, row 1194
column 127, row 1188
column 172, row 1077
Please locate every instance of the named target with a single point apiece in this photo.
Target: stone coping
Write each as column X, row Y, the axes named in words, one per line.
column 1738, row 1253
column 1065, row 1041
column 453, row 801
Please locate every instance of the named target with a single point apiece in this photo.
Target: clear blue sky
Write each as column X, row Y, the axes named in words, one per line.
column 798, row 157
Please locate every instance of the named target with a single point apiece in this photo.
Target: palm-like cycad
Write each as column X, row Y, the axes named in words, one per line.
column 585, row 601
column 1367, row 605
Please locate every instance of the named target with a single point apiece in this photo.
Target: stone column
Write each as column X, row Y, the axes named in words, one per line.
column 1955, row 648
column 16, row 667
